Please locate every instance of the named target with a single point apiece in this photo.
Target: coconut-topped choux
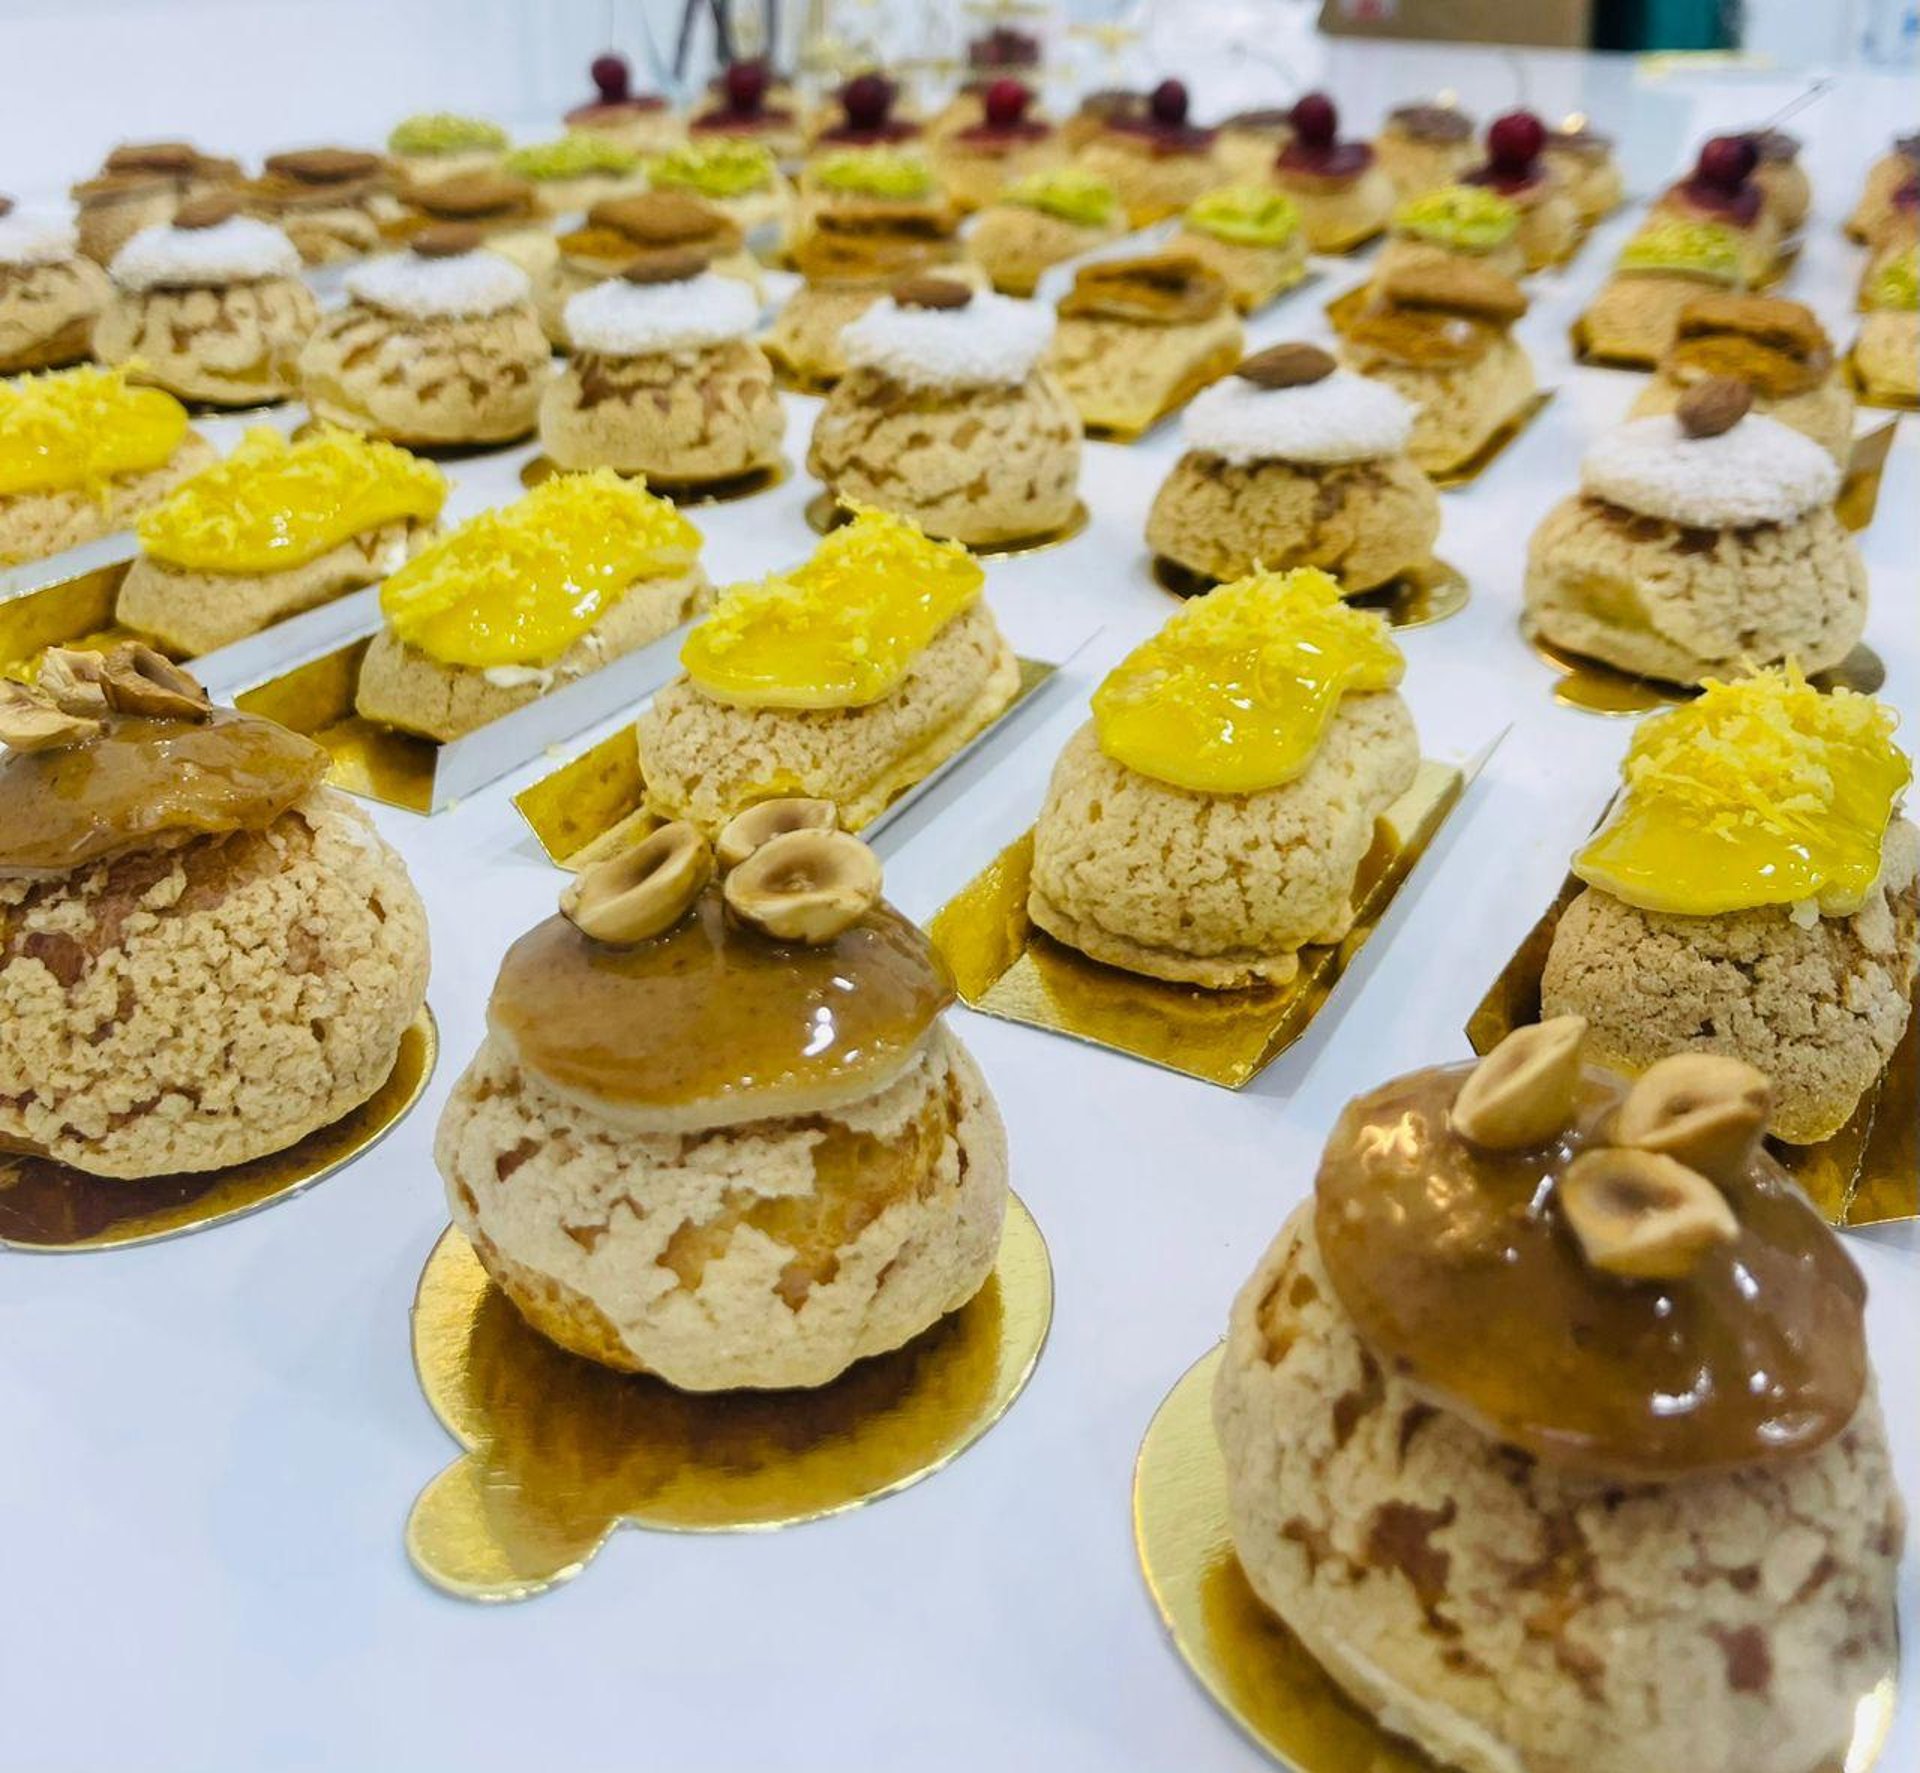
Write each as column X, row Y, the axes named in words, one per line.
column 848, row 679
column 1039, row 221
column 277, row 528
column 749, row 109
column 1778, row 348
column 1722, row 190
column 576, row 170
column 637, row 233
column 1899, row 166
column 1468, row 222
column 205, row 953
column 1344, row 194
column 1583, row 160
column 665, row 379
column 441, row 145
column 210, row 306
column 1138, row 336
column 140, row 185
column 1425, row 146
column 82, row 453
column 1702, row 543
column 1157, row 160
column 1754, row 893
column 330, row 202
column 1251, row 235
column 717, row 1130
column 978, row 160
column 740, row 178
column 50, row 293
column 520, row 600
column 1248, row 141
column 1292, row 461
column 1666, row 266
column 1442, row 334
column 1211, row 819
column 947, row 416
column 1669, row 1538
column 1785, row 192
column 1516, row 169
column 642, row 121
column 436, row 346
column 505, row 212
column 1886, row 356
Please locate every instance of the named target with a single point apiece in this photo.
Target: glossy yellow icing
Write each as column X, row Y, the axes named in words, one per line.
column 1236, row 692
column 1762, row 792
column 519, row 585
column 75, row 430
column 275, row 504
column 842, row 630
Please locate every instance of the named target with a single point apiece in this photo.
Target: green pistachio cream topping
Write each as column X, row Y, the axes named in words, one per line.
column 1703, row 249
column 577, row 155
column 441, row 132
column 714, row 169
column 1246, row 215
column 1463, row 217
column 1070, row 196
column 874, row 172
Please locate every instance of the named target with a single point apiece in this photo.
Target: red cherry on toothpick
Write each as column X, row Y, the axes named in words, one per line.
column 1514, row 141
column 866, row 99
column 1005, row 103
column 746, row 85
column 612, row 77
column 1727, row 161
column 1315, row 121
column 1167, row 103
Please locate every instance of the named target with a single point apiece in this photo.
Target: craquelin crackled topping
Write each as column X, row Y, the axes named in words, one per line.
column 275, row 504
column 1166, row 289
column 76, row 429
column 840, row 631
column 1617, row 1280
column 1234, row 695
column 519, row 585
column 1761, row 792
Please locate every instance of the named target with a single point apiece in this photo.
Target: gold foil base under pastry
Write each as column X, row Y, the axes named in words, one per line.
column 433, row 449
column 1595, row 688
column 561, row 1452
column 594, row 805
column 1874, row 394
column 1859, row 495
column 1585, row 353
column 1203, row 375
column 1250, row 1664
column 76, row 612
column 686, row 495
column 1429, row 594
column 826, row 513
column 50, row 1206
column 791, row 381
column 1868, row 1173
column 1483, row 458
column 1005, row 967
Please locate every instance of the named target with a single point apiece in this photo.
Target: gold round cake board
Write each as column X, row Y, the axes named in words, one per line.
column 1414, row 600
column 712, row 492
column 1256, row 1670
column 1595, row 688
column 561, row 1452
column 825, row 513
column 47, row 1206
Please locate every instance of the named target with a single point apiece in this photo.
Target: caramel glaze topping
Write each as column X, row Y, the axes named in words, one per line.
column 1461, row 1275
column 145, row 784
column 714, row 1013
column 1165, row 289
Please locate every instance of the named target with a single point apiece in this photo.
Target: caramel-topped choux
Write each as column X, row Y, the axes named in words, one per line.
column 1667, row 1537
column 738, row 177
column 205, row 953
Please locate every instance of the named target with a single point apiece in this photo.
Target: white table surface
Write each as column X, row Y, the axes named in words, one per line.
column 210, row 1444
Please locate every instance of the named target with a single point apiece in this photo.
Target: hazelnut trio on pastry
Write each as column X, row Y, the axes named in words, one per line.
column 1211, row 819
column 1550, row 1430
column 1292, row 461
column 50, row 294
column 277, row 528
column 848, row 679
column 947, row 417
column 1702, row 543
column 210, row 306
column 717, row 1130
column 665, row 379
column 1755, row 894
column 205, row 953
column 524, row 598
column 1037, row 222
column 82, row 453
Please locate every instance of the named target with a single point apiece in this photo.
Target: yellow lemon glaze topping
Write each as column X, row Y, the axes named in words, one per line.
column 520, row 585
column 874, row 172
column 1762, row 792
column 1236, row 692
column 1246, row 215
column 1706, row 249
column 714, row 169
column 1465, row 217
column 842, row 630
column 77, row 429
column 274, row 504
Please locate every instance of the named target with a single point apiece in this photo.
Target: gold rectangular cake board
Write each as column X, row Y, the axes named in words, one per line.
column 1859, row 494
column 1489, row 452
column 1868, row 1173
column 594, row 805
column 1005, row 967
column 75, row 611
column 1203, row 375
column 1870, row 395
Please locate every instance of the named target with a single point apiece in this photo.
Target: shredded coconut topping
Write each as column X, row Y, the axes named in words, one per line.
column 238, row 250
column 993, row 342
column 1343, row 418
column 624, row 319
column 474, row 283
column 34, row 240
column 1759, row 472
